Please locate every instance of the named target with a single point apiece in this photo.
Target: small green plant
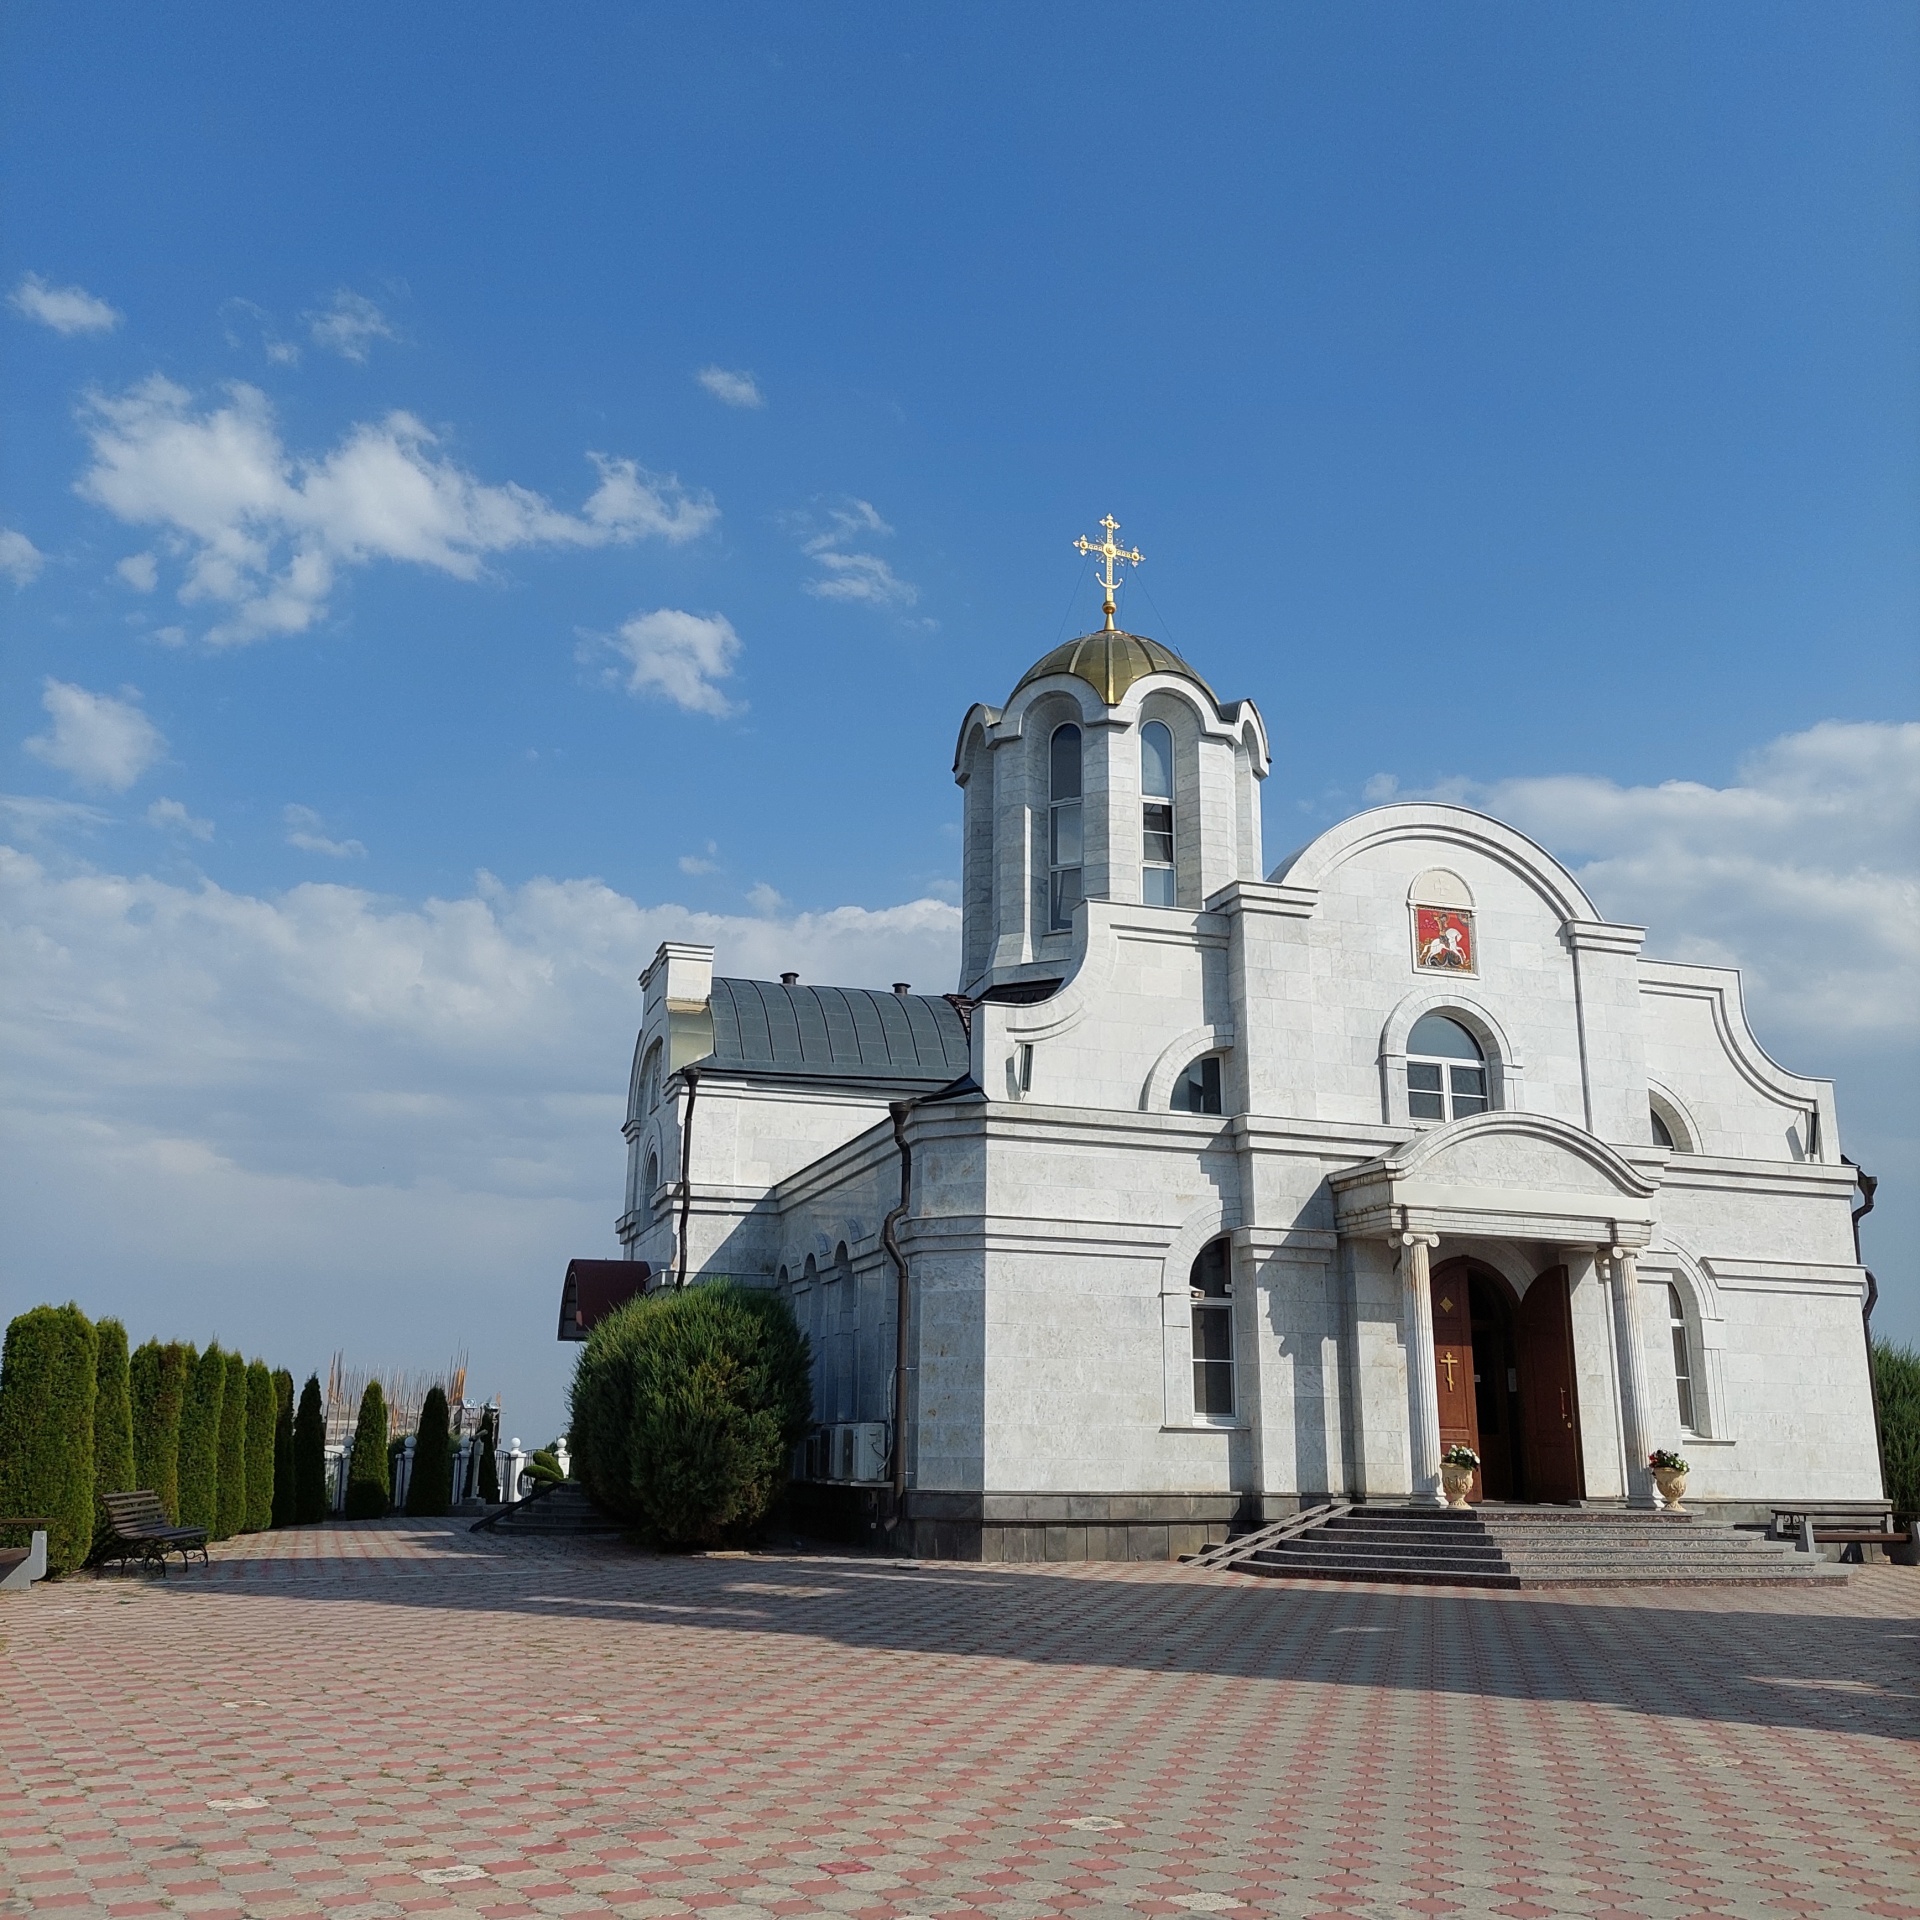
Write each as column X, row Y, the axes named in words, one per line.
column 49, row 1382
column 430, row 1487
column 112, row 1421
column 543, row 1467
column 1896, row 1389
column 1461, row 1456
column 158, row 1375
column 282, row 1448
column 232, row 1502
column 200, row 1439
column 686, row 1406
column 262, row 1407
column 310, row 1456
column 369, row 1483
column 1661, row 1461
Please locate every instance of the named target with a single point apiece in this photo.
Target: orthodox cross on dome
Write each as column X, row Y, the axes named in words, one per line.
column 1109, row 551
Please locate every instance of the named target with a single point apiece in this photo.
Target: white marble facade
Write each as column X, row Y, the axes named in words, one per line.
column 1071, row 1183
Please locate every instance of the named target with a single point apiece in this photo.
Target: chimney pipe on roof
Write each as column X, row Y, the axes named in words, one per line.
column 903, row 986
column 789, row 979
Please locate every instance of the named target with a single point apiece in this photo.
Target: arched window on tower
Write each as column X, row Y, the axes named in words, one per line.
column 1156, row 814
column 1198, row 1089
column 1064, row 840
column 648, row 1181
column 1446, row 1070
column 1210, row 1286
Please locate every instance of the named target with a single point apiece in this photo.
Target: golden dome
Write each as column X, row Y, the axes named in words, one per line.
column 1111, row 661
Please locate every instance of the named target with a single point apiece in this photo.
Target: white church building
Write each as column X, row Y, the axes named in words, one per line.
column 1216, row 1189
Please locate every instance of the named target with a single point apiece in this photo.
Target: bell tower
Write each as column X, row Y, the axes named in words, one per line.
column 1113, row 773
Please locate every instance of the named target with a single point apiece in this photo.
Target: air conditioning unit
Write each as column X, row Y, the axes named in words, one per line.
column 863, row 1451
column 817, row 1453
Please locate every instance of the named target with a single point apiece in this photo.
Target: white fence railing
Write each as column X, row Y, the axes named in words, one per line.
column 510, row 1465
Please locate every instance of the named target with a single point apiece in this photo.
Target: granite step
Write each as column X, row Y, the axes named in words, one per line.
column 1538, row 1547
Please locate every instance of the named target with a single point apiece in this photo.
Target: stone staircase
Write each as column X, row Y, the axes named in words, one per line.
column 558, row 1510
column 1490, row 1546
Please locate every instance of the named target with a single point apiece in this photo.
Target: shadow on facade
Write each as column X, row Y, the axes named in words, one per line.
column 1734, row 1661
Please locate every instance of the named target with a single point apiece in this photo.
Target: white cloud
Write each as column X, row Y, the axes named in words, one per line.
column 304, row 831
column 265, row 534
column 1805, row 873
column 20, row 559
column 171, row 816
column 677, row 656
column 141, row 571
column 30, row 817
column 731, row 389
column 765, row 899
column 349, row 325
column 64, row 309
column 408, row 1114
column 848, row 572
column 695, row 863
column 100, row 741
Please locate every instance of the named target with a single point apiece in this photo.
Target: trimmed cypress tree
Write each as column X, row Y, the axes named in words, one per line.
column 157, row 1375
column 262, row 1407
column 200, row 1439
column 310, row 1456
column 48, row 1385
column 430, row 1490
column 1896, row 1386
column 232, row 1506
column 112, row 1419
column 489, row 1443
column 369, row 1489
column 282, row 1448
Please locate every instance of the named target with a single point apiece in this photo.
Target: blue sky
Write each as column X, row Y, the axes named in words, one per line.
column 1515, row 402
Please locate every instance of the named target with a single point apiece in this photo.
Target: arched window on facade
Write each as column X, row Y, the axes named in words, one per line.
column 1666, row 1128
column 648, row 1181
column 1156, row 815
column 1682, row 1357
column 1064, row 840
column 650, row 1082
column 1662, row 1137
column 1210, row 1287
column 1198, row 1089
column 1446, row 1070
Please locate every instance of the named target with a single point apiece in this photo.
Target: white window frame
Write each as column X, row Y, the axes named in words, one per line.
column 1219, row 1309
column 1446, row 1063
column 1151, row 804
column 1058, row 810
column 1687, row 1384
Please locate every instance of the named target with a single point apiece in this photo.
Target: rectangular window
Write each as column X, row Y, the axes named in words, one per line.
column 1469, row 1090
column 1213, row 1361
column 1682, row 1358
column 1425, row 1100
column 1156, row 887
column 1063, row 856
column 1157, row 828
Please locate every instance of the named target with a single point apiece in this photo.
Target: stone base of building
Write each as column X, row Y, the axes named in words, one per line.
column 1065, row 1526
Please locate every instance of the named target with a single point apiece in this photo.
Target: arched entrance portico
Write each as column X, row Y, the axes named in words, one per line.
column 1535, row 1192
column 1505, row 1380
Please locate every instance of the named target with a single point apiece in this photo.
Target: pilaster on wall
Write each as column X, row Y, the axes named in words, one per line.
column 1293, row 1282
column 1613, row 1052
column 1378, row 1442
column 1270, row 989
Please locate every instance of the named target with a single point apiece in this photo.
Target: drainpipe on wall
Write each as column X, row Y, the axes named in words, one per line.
column 890, row 1239
column 692, row 1078
column 1869, row 1184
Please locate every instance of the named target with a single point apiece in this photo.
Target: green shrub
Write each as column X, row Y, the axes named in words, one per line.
column 685, row 1407
column 543, row 1467
column 1896, row 1387
column 261, row 1408
column 48, row 1386
column 282, row 1448
column 430, row 1490
column 112, row 1420
column 369, row 1485
column 200, row 1439
column 158, row 1377
column 232, row 1505
column 488, row 1441
column 310, row 1456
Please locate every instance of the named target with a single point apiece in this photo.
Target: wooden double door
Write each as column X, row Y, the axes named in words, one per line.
column 1505, row 1374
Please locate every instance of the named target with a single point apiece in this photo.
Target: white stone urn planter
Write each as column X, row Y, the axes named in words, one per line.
column 1669, row 1479
column 1456, row 1474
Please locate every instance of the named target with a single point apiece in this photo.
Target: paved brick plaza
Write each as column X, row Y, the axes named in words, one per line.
column 401, row 1718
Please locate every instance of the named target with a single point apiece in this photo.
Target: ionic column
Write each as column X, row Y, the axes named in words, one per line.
column 1634, row 1426
column 1423, row 1387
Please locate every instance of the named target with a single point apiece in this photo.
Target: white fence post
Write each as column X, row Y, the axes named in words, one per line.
column 516, row 1465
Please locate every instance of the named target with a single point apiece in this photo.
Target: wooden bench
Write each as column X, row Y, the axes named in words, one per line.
column 140, row 1530
column 20, row 1567
column 1852, row 1526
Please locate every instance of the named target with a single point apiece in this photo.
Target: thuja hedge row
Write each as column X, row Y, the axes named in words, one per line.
column 81, row 1418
